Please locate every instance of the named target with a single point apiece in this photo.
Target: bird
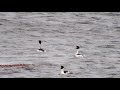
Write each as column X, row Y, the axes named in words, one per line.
column 64, row 72
column 40, row 49
column 77, row 53
column 40, row 42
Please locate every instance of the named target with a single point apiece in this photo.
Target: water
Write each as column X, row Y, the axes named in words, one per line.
column 98, row 34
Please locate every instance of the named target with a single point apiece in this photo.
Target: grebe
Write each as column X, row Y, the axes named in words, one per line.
column 40, row 49
column 40, row 42
column 64, row 72
column 77, row 53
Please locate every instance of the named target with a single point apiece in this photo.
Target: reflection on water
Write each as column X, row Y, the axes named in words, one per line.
column 97, row 34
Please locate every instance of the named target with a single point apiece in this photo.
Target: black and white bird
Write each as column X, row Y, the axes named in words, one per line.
column 40, row 49
column 64, row 72
column 77, row 53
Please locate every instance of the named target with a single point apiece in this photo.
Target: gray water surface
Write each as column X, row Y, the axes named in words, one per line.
column 98, row 34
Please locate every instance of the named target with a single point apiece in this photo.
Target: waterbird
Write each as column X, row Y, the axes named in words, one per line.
column 40, row 42
column 64, row 72
column 40, row 49
column 77, row 53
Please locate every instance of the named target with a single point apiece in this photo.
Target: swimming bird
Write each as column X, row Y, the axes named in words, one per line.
column 77, row 53
column 64, row 72
column 40, row 49
column 40, row 42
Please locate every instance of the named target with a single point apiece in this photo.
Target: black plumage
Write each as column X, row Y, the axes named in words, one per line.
column 77, row 47
column 39, row 41
column 41, row 49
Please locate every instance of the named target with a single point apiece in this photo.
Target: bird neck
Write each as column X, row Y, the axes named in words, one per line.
column 62, row 71
column 77, row 51
column 40, row 46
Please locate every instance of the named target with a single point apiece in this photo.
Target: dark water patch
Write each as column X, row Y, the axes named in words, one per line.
column 88, row 61
column 4, row 46
column 96, row 30
column 68, row 45
column 7, row 22
column 5, row 42
column 45, row 64
column 5, row 73
column 85, row 22
column 16, row 72
column 68, row 26
column 1, row 24
column 7, row 32
column 107, row 36
column 52, row 19
column 30, row 40
column 56, row 31
column 82, row 68
column 34, row 29
column 48, row 25
column 111, row 67
column 117, row 27
column 88, row 42
column 78, row 14
column 112, row 14
column 118, row 52
column 73, row 32
column 31, row 69
column 115, row 42
column 60, row 49
column 43, row 57
column 112, row 75
column 49, row 16
column 118, row 61
column 104, row 55
column 4, row 20
column 45, row 32
column 57, row 55
column 61, row 31
column 114, row 51
column 96, row 53
column 118, row 30
column 106, row 46
column 19, row 29
column 18, row 53
column 26, row 24
column 96, row 18
column 8, row 71
column 34, row 35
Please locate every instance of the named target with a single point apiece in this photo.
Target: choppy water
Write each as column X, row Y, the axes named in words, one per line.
column 98, row 34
